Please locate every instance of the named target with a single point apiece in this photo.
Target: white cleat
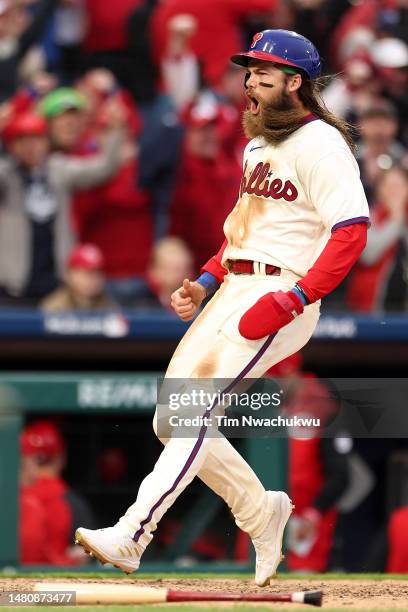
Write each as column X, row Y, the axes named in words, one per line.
column 268, row 546
column 110, row 545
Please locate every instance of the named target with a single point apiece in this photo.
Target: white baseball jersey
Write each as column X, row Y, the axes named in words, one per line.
column 292, row 196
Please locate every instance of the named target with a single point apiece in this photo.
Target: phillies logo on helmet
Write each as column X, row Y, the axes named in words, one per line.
column 256, row 38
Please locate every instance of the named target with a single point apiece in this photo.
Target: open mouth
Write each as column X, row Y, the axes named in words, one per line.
column 254, row 105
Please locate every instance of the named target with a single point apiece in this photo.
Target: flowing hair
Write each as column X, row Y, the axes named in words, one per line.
column 278, row 123
column 310, row 93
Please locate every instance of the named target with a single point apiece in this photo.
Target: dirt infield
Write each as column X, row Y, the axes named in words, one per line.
column 355, row 594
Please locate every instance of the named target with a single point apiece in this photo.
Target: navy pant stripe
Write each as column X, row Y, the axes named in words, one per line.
column 201, row 436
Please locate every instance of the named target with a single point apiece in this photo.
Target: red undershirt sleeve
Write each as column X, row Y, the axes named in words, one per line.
column 335, row 261
column 214, row 266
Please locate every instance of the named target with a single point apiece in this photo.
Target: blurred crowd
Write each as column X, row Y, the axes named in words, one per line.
column 120, row 126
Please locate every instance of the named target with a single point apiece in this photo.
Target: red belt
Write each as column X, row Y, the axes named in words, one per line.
column 242, row 266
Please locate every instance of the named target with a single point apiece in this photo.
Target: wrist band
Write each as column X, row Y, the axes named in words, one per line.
column 301, row 294
column 209, row 282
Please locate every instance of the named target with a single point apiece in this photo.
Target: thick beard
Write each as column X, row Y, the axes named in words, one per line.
column 275, row 122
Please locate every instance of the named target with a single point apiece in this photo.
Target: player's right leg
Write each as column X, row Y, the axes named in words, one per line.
column 123, row 544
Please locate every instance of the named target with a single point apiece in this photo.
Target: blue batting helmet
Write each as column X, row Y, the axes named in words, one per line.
column 285, row 48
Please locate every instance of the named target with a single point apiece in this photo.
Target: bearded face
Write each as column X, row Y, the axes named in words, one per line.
column 272, row 108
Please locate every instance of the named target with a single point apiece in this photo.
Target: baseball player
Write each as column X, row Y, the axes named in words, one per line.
column 298, row 226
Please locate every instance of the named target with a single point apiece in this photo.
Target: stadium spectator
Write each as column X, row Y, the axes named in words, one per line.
column 315, row 18
column 355, row 89
column 362, row 510
column 106, row 25
column 32, row 523
column 84, row 287
column 379, row 280
column 36, row 189
column 144, row 73
column 391, row 58
column 393, row 20
column 64, row 109
column 389, row 549
column 61, row 506
column 397, row 562
column 207, row 183
column 218, row 33
column 233, row 101
column 118, row 218
column 160, row 145
column 19, row 30
column 180, row 67
column 115, row 36
column 97, row 86
column 67, row 34
column 171, row 262
column 100, row 90
column 378, row 148
column 318, row 473
column 355, row 31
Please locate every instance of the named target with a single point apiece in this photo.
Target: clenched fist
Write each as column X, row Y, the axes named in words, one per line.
column 187, row 299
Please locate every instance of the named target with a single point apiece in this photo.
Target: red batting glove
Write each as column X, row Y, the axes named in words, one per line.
column 271, row 312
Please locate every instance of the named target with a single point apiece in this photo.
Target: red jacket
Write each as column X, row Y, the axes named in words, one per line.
column 32, row 528
column 107, row 23
column 206, row 192
column 44, row 508
column 366, row 281
column 306, row 475
column 218, row 34
column 117, row 218
column 398, row 542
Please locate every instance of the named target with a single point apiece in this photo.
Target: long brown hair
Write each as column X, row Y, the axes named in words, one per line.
column 277, row 125
column 310, row 93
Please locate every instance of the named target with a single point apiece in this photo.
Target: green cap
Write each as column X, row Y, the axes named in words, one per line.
column 61, row 100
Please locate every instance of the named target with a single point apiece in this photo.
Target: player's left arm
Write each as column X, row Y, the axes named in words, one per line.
column 333, row 185
column 334, row 263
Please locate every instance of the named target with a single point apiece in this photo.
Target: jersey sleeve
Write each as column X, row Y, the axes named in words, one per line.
column 332, row 184
column 341, row 252
column 214, row 266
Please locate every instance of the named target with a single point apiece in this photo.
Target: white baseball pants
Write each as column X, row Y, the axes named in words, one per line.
column 214, row 348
